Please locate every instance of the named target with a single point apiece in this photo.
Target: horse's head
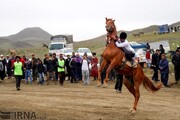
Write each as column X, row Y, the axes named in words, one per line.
column 110, row 26
column 111, row 30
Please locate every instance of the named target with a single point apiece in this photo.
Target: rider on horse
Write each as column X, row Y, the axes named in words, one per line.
column 128, row 50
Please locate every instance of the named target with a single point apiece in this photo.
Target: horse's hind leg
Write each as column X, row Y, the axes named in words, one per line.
column 130, row 87
column 137, row 81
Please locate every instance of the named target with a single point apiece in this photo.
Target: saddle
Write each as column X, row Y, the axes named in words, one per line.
column 125, row 61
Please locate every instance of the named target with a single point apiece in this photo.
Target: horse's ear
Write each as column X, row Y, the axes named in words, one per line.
column 113, row 20
column 106, row 18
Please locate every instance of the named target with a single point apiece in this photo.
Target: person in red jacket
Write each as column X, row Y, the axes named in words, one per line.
column 148, row 58
column 94, row 68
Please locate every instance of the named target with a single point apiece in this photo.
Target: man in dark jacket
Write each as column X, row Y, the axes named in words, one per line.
column 9, row 70
column 161, row 49
column 2, row 67
column 28, row 68
column 67, row 62
column 50, row 69
column 164, row 69
column 155, row 65
column 55, row 67
column 72, row 65
column 176, row 62
column 34, row 67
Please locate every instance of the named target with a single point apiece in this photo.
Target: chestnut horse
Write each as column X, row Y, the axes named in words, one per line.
column 114, row 57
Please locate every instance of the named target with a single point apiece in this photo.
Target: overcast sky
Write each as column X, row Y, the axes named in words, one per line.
column 85, row 19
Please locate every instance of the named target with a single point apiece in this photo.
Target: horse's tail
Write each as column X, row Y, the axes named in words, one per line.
column 149, row 85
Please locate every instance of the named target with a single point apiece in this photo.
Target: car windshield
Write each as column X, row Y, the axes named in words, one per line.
column 84, row 50
column 68, row 51
column 56, row 46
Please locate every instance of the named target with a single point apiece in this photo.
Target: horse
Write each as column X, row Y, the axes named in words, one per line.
column 45, row 45
column 114, row 57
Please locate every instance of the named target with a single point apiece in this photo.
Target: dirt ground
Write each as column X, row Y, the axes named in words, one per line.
column 78, row 102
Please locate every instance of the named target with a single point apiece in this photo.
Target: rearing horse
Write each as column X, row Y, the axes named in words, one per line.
column 114, row 57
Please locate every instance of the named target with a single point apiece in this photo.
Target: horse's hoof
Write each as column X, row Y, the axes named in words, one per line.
column 132, row 111
column 105, row 86
column 98, row 85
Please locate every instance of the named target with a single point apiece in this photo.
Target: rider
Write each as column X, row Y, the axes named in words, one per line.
column 124, row 44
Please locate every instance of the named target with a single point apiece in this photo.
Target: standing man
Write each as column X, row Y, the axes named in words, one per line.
column 119, row 82
column 28, row 68
column 164, row 69
column 67, row 64
column 2, row 67
column 176, row 62
column 18, row 72
column 55, row 66
column 8, row 66
column 85, row 70
column 161, row 49
column 61, row 69
column 78, row 68
column 45, row 62
column 155, row 65
column 50, row 69
column 40, row 68
column 72, row 65
column 34, row 67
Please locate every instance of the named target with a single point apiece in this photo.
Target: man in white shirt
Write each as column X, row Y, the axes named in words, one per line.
column 124, row 44
column 85, row 70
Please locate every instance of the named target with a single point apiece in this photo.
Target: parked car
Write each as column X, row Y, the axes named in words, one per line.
column 140, row 55
column 66, row 51
column 81, row 52
column 137, row 45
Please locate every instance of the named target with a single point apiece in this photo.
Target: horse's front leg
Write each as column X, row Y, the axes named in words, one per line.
column 110, row 67
column 102, row 66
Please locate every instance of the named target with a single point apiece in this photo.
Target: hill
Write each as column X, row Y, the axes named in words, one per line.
column 27, row 38
column 30, row 34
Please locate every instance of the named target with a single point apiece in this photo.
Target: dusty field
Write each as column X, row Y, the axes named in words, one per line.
column 78, row 102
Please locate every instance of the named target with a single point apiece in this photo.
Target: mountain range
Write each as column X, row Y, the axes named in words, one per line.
column 35, row 36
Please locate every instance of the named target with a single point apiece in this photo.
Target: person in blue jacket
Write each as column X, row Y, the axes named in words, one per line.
column 164, row 70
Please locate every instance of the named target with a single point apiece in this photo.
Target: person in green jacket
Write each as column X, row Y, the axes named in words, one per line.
column 61, row 69
column 18, row 72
